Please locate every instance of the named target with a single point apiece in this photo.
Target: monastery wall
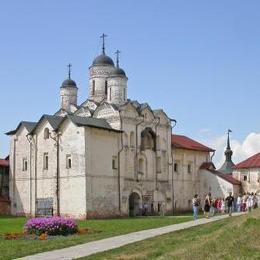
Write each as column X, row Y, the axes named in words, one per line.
column 218, row 187
column 19, row 177
column 102, row 178
column 72, row 171
column 187, row 184
column 250, row 179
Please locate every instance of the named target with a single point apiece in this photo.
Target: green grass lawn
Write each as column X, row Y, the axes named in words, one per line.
column 232, row 238
column 10, row 249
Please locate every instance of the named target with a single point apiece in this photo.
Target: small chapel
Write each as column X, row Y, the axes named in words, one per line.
column 109, row 156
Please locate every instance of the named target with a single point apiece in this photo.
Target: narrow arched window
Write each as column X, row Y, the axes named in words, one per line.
column 125, row 140
column 141, row 168
column 46, row 133
column 132, row 139
column 106, row 87
column 93, row 87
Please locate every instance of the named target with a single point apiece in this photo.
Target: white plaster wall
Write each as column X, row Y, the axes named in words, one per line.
column 100, row 74
column 46, row 178
column 102, row 180
column 118, row 88
column 187, row 184
column 73, row 180
column 252, row 184
column 68, row 96
column 218, row 187
column 19, row 179
column 152, row 184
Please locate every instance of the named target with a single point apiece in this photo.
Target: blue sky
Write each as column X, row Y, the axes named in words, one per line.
column 198, row 60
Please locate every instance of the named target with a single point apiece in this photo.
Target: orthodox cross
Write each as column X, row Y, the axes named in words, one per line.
column 103, row 42
column 117, row 57
column 69, row 69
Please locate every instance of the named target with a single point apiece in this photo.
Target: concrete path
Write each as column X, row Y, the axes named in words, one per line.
column 118, row 241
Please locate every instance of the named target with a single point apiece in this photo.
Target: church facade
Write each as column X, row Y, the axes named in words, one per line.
column 109, row 156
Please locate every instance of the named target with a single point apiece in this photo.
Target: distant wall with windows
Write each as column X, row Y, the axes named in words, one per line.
column 250, row 179
column 186, row 176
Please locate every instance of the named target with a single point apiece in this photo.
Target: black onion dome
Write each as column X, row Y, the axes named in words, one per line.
column 118, row 72
column 68, row 83
column 103, row 60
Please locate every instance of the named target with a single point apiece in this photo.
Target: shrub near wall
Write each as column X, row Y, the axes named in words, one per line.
column 52, row 226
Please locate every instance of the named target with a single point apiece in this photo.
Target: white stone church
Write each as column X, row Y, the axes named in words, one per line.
column 109, row 156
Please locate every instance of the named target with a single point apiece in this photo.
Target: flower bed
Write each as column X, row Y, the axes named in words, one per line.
column 52, row 226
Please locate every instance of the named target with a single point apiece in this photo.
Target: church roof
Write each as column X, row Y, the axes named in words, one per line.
column 118, row 72
column 251, row 162
column 102, row 60
column 91, row 122
column 184, row 142
column 28, row 125
column 69, row 83
column 228, row 165
column 54, row 121
column 229, row 178
column 209, row 166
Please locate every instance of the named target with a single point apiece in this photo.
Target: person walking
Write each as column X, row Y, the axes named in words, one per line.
column 207, row 203
column 239, row 202
column 255, row 201
column 230, row 202
column 223, row 206
column 244, row 200
column 250, row 202
column 195, row 205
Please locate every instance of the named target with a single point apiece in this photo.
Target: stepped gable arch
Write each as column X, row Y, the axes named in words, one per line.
column 146, row 112
column 128, row 110
column 164, row 119
column 83, row 111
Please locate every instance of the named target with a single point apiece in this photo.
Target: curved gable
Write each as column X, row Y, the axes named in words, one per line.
column 83, row 111
column 105, row 110
column 148, row 114
column 164, row 119
column 129, row 110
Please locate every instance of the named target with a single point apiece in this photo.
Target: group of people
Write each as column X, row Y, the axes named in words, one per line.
column 211, row 206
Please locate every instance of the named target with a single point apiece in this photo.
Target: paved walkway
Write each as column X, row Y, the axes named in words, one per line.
column 118, row 241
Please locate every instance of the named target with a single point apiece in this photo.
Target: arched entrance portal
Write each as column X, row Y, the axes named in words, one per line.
column 134, row 204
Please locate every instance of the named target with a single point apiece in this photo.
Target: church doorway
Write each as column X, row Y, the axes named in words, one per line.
column 134, row 204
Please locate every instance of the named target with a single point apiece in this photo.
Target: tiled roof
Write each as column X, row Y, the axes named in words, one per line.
column 28, row 125
column 251, row 162
column 207, row 166
column 54, row 121
column 227, row 177
column 91, row 122
column 4, row 162
column 184, row 142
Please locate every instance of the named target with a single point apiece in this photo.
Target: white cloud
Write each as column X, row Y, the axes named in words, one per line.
column 241, row 150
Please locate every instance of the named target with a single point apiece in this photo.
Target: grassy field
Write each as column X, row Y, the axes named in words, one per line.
column 10, row 249
column 232, row 238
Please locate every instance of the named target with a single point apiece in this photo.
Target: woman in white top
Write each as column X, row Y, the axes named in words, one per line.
column 250, row 202
column 239, row 201
column 223, row 206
